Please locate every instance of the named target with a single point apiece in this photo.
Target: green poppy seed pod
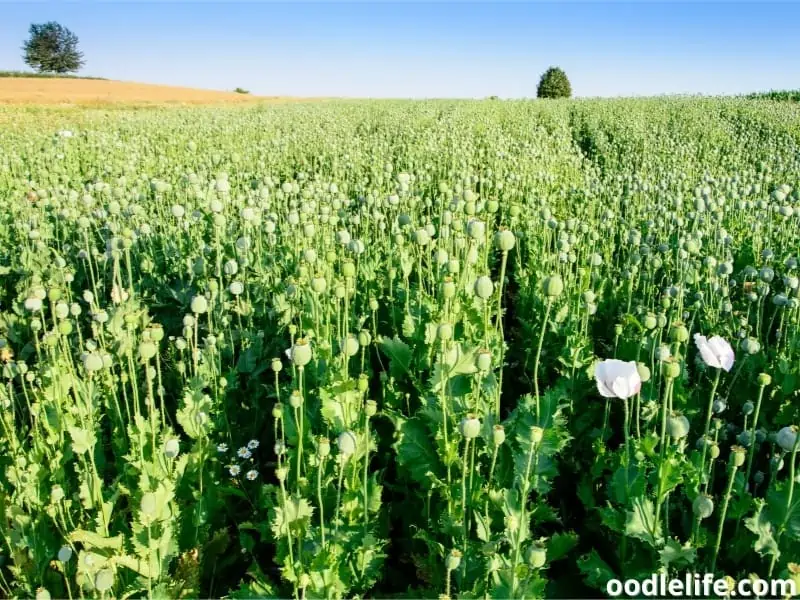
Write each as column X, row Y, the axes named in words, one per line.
column 350, row 345
column 504, row 240
column 764, row 379
column 671, row 369
column 277, row 410
column 483, row 360
column 363, row 383
column 65, row 327
column 453, row 560
column 349, row 268
column 346, row 443
column 64, row 554
column 453, row 266
column 498, row 435
column 323, row 447
column 679, row 333
column 300, row 353
column 589, row 297
column 364, row 338
column 444, row 332
column 713, row 450
column 677, row 426
column 703, row 506
column 147, row 350
column 92, row 362
column 618, row 330
column 281, row 473
column 650, row 321
column 172, row 448
column 537, row 433
column 644, row 372
column 661, row 321
column 339, row 291
column 42, row 594
column 371, row 408
column 56, row 494
column 748, row 408
column 199, row 305
column 276, row 365
column 296, row 399
column 787, row 437
column 470, row 426
column 553, row 286
column 737, row 457
column 751, row 345
column 476, row 229
column 484, row 288
column 373, row 304
column 421, row 237
column 536, row 555
column 665, row 302
column 448, row 288
column 104, row 580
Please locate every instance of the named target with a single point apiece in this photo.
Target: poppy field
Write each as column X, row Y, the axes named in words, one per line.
column 440, row 349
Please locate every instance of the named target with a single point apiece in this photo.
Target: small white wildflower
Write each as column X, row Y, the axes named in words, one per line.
column 253, row 444
column 252, row 474
column 244, row 452
column 234, row 470
column 222, row 448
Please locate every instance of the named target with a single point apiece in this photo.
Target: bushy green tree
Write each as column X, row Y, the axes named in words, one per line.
column 554, row 84
column 52, row 48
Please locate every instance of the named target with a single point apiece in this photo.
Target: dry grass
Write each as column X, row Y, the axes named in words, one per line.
column 31, row 91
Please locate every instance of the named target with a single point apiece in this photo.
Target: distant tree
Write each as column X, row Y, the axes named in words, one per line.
column 554, row 84
column 239, row 90
column 52, row 48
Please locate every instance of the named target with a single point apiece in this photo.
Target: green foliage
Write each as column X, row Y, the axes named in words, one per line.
column 239, row 90
column 554, row 84
column 52, row 48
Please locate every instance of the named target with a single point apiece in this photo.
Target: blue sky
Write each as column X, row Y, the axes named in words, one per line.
column 443, row 49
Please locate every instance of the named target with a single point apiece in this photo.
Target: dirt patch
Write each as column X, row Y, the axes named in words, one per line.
column 18, row 90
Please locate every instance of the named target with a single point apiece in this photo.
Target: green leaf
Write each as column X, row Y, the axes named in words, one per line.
column 676, row 556
column 560, row 544
column 780, row 514
column 641, row 522
column 94, row 541
column 415, row 451
column 399, row 354
column 764, row 529
column 482, row 529
column 596, row 572
column 82, row 440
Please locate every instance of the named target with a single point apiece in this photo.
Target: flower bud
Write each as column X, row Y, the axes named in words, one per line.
column 536, row 555
column 483, row 360
column 371, row 408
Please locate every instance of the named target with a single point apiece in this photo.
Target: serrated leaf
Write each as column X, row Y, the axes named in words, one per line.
column 673, row 555
column 559, row 545
column 482, row 529
column 415, row 451
column 641, row 522
column 596, row 572
column 82, row 440
column 399, row 354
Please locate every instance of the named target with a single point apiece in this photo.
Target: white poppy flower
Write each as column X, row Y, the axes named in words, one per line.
column 617, row 378
column 716, row 352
